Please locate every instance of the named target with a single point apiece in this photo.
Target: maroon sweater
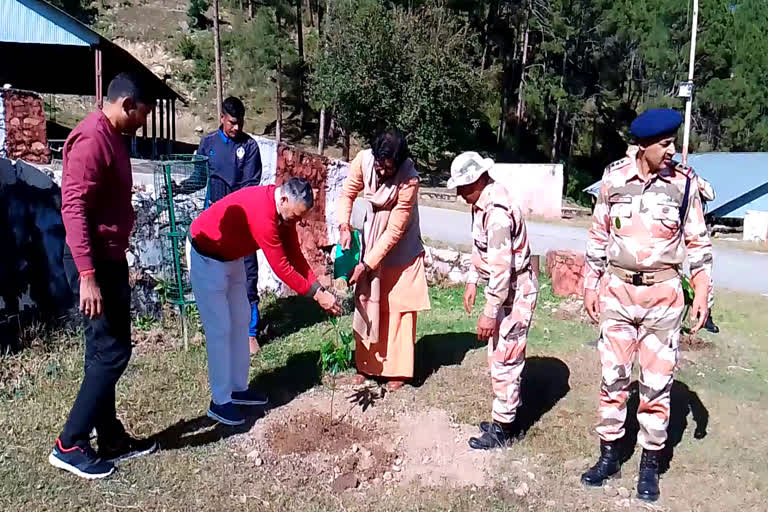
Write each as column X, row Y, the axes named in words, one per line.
column 96, row 192
column 245, row 221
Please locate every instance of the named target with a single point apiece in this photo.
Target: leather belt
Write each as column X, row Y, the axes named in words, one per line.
column 644, row 278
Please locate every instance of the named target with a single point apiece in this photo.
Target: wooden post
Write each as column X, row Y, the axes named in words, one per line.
column 173, row 123
column 168, row 146
column 217, row 55
column 99, row 88
column 161, row 112
column 154, row 133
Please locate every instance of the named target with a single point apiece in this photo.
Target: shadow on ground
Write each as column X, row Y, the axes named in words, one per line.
column 282, row 384
column 288, row 315
column 544, row 383
column 437, row 350
column 684, row 401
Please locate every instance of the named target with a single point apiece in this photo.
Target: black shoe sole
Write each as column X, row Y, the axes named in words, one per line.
column 586, row 483
column 648, row 498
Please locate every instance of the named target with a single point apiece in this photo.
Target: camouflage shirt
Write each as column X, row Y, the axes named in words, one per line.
column 500, row 245
column 636, row 223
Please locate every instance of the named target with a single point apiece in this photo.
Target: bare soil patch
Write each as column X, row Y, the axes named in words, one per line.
column 693, row 343
column 365, row 448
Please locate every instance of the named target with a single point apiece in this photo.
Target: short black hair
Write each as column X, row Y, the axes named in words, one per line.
column 391, row 144
column 234, row 107
column 129, row 85
column 298, row 189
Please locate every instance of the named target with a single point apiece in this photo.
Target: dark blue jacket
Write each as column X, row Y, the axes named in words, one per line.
column 233, row 164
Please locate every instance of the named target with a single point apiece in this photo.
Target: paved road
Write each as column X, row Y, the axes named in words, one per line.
column 734, row 269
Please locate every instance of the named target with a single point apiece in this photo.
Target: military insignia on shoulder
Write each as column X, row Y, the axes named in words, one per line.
column 615, row 165
column 685, row 170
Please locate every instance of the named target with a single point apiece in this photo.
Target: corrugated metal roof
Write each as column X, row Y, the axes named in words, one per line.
column 740, row 181
column 37, row 22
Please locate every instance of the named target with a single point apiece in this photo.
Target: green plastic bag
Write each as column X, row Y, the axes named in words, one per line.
column 344, row 262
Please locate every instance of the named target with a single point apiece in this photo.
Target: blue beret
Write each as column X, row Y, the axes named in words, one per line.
column 655, row 122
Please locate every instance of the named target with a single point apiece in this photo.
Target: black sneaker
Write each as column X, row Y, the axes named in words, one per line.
column 249, row 397
column 80, row 461
column 227, row 414
column 127, row 448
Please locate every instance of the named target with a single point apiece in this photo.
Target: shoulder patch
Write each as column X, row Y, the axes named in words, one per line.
column 615, row 165
column 685, row 170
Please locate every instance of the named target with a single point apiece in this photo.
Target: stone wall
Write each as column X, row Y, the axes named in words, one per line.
column 33, row 285
column 24, row 133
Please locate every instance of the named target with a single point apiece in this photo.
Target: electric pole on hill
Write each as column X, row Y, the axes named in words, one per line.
column 686, row 88
column 217, row 55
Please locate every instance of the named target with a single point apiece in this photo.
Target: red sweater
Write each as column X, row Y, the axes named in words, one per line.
column 245, row 221
column 96, row 192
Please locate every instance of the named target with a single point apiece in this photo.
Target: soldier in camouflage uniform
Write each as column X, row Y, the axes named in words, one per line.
column 648, row 215
column 707, row 193
column 501, row 255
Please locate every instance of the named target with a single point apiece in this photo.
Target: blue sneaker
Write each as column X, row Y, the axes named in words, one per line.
column 249, row 397
column 80, row 461
column 227, row 414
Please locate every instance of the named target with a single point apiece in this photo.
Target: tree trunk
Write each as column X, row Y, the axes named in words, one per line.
column 347, row 137
column 504, row 100
column 251, row 9
column 300, row 45
column 557, row 116
column 321, row 133
column 553, row 156
column 217, row 56
column 279, row 101
column 567, row 171
column 520, row 111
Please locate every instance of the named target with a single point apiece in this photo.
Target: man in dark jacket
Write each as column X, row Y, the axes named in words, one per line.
column 235, row 162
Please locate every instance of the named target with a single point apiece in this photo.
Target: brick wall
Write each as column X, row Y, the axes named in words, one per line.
column 313, row 229
column 25, row 135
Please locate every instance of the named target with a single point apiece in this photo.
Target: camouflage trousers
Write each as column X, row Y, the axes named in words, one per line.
column 642, row 322
column 506, row 349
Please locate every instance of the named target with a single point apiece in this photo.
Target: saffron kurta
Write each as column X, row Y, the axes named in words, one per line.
column 403, row 287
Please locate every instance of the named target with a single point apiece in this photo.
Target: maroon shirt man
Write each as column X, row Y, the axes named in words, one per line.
column 98, row 219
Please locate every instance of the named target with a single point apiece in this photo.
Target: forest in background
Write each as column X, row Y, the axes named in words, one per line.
column 522, row 81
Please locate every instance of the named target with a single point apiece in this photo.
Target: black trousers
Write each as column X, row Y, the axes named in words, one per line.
column 107, row 352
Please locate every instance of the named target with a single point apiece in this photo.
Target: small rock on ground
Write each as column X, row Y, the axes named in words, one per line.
column 344, row 482
column 624, row 492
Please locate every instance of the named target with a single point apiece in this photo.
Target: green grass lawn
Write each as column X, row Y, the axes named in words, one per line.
column 164, row 393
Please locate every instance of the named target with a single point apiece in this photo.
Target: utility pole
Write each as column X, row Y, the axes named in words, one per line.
column 217, row 54
column 689, row 101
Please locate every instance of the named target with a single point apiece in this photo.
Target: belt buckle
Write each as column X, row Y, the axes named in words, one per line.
column 637, row 279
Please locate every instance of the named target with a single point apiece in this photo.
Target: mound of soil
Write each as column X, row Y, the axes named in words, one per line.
column 314, row 432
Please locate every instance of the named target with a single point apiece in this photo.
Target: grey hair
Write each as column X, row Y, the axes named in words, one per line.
column 299, row 190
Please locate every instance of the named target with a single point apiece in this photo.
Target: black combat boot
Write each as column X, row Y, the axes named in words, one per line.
column 607, row 465
column 710, row 325
column 494, row 435
column 648, row 479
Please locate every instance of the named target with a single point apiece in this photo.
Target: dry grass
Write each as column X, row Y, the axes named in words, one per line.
column 202, row 467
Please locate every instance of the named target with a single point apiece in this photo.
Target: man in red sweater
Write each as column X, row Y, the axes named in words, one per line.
column 98, row 219
column 237, row 225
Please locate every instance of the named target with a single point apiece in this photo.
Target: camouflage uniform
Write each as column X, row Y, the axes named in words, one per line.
column 707, row 194
column 636, row 228
column 502, row 255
